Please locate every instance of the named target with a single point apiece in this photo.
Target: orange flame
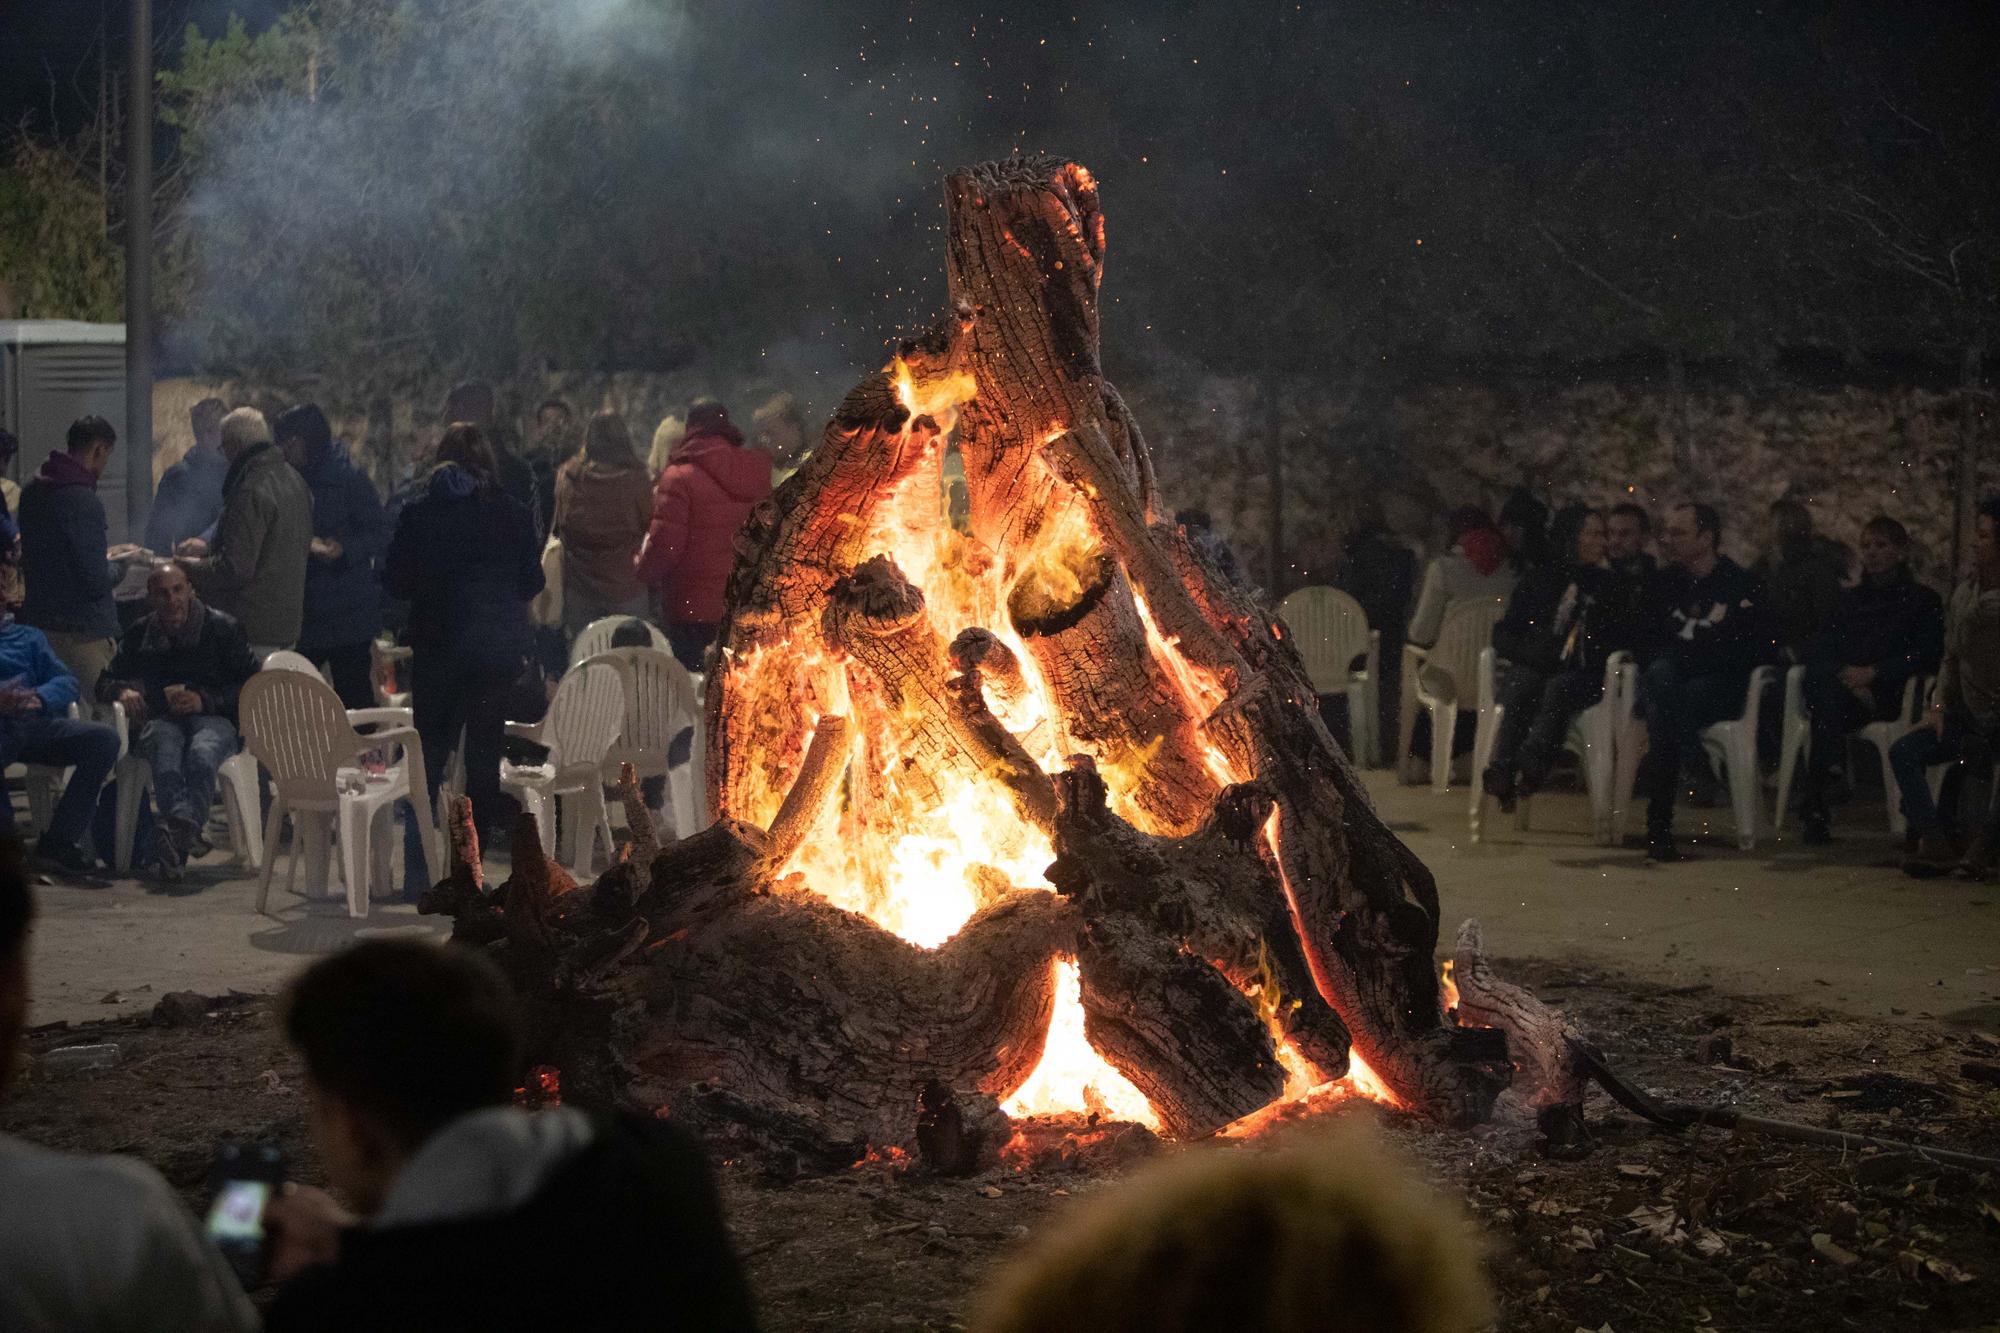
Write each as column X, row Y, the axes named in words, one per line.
column 1071, row 1074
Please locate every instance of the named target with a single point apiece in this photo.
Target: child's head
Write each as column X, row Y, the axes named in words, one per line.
column 1330, row 1236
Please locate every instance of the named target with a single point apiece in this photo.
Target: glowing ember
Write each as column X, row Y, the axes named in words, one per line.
column 1072, row 1075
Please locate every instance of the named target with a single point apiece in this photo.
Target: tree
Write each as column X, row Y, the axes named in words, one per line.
column 56, row 259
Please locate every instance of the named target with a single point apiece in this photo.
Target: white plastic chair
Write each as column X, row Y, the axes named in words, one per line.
column 1330, row 630
column 1731, row 747
column 287, row 660
column 236, row 787
column 1593, row 738
column 661, row 701
column 583, row 723
column 1443, row 679
column 594, row 639
column 1795, row 744
column 293, row 723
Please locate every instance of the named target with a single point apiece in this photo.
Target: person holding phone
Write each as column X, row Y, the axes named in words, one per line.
column 92, row 1243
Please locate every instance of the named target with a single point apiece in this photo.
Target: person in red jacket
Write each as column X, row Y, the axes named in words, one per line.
column 710, row 484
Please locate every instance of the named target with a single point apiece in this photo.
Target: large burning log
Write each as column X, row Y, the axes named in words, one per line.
column 929, row 726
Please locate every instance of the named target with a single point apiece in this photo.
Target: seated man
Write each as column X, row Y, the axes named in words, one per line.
column 1962, row 727
column 1707, row 632
column 1885, row 629
column 178, row 671
column 92, row 1242
column 475, row 1213
column 36, row 690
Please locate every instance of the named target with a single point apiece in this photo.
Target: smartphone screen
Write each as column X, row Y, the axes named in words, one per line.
column 245, row 1181
column 238, row 1214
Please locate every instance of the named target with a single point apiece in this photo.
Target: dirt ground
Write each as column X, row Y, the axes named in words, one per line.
column 1645, row 1231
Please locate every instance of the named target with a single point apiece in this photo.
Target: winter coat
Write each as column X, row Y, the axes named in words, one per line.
column 465, row 557
column 624, row 1227
column 705, row 494
column 1554, row 620
column 1380, row 574
column 27, row 659
column 189, row 500
column 1897, row 627
column 1717, row 625
column 344, row 595
column 211, row 656
column 1969, row 676
column 1474, row 569
column 63, row 539
column 1625, row 623
column 257, row 569
column 1801, row 588
column 602, row 513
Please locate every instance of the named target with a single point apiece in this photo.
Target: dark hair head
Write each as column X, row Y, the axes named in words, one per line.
column 559, row 404
column 413, row 1033
column 17, row 905
column 1706, row 519
column 1524, row 511
column 1566, row 527
column 1989, row 508
column 206, row 415
column 606, row 440
column 86, row 431
column 307, row 424
column 466, row 445
column 1889, row 530
column 9, row 443
column 1627, row 509
column 706, row 414
column 1466, row 518
column 470, row 401
column 632, row 633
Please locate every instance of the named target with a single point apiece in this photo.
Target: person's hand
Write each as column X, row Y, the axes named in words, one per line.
column 305, row 1225
column 182, row 701
column 124, row 551
column 1934, row 720
column 134, row 704
column 194, row 548
column 16, row 700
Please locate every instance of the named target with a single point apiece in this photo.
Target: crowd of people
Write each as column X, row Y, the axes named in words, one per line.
column 267, row 535
column 1582, row 585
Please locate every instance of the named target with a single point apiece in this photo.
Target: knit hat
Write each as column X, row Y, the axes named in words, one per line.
column 243, row 428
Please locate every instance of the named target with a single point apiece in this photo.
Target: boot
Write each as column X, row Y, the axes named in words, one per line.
column 1936, row 854
column 1500, row 786
column 1978, row 861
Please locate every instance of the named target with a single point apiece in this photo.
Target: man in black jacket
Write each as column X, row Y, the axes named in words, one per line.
column 178, row 672
column 1885, row 630
column 474, row 1213
column 1708, row 632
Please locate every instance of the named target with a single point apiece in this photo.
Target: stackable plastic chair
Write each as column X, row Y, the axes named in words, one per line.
column 661, row 700
column 293, row 723
column 1731, row 748
column 1593, row 738
column 235, row 787
column 594, row 639
column 1330, row 630
column 1795, row 745
column 1443, row 678
column 583, row 723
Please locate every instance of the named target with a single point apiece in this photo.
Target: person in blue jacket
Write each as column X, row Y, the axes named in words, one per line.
column 343, row 608
column 189, row 499
column 36, row 690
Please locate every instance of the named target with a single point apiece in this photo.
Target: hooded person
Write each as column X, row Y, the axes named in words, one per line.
column 256, row 569
column 1476, row 568
column 474, row 403
column 343, row 591
column 68, row 571
column 603, row 506
column 709, row 486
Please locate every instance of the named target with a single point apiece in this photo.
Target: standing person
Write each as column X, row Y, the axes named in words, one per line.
column 1476, row 568
column 465, row 557
column 1885, row 629
column 68, row 572
column 474, row 403
column 1708, row 630
column 189, row 499
column 255, row 571
column 604, row 503
column 554, row 445
column 779, row 429
column 36, row 690
column 708, row 489
column 343, row 590
column 178, row 672
column 1554, row 655
column 1802, row 573
column 12, row 590
column 1962, row 726
column 1379, row 571
column 92, row 1243
column 667, row 437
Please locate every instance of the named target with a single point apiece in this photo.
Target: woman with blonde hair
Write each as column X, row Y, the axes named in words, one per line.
column 666, row 438
column 604, row 499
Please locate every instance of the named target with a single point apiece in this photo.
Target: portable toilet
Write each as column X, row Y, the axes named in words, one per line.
column 53, row 371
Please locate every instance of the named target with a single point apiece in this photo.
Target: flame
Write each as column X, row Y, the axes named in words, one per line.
column 1071, row 1074
column 1447, row 988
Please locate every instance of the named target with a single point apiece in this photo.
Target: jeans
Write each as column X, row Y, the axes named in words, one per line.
column 1677, row 706
column 1962, row 744
column 1540, row 706
column 61, row 742
column 1832, row 711
column 185, row 753
column 349, row 666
